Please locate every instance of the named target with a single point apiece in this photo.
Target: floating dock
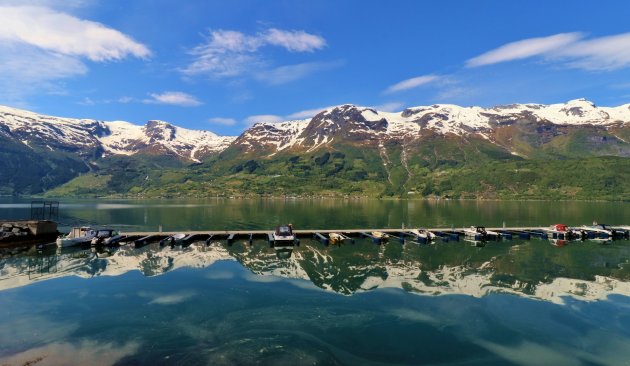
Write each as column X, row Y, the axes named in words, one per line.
column 141, row 238
column 322, row 235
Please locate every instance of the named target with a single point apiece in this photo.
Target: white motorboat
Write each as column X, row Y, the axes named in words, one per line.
column 335, row 238
column 558, row 231
column 76, row 236
column 476, row 233
column 102, row 235
column 423, row 234
column 604, row 231
column 380, row 235
column 173, row 239
column 283, row 236
column 493, row 234
column 114, row 239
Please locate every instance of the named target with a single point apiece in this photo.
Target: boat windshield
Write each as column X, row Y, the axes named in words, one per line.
column 284, row 231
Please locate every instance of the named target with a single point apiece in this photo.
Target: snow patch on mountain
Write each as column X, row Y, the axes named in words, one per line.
column 277, row 135
column 127, row 139
column 573, row 112
column 112, row 138
column 444, row 119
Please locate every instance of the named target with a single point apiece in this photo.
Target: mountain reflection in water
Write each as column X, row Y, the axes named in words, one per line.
column 537, row 269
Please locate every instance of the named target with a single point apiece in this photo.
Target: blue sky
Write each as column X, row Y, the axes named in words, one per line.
column 223, row 65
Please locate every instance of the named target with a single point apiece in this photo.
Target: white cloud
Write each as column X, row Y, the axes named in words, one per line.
column 228, row 53
column 604, row 53
column 24, row 63
column 222, row 121
column 173, row 98
column 412, row 83
column 39, row 46
column 621, row 86
column 260, row 118
column 56, row 4
column 65, row 34
column 307, row 113
column 25, row 69
column 524, row 49
column 571, row 49
column 389, row 107
column 289, row 73
column 450, row 92
column 125, row 100
column 87, row 101
column 296, row 41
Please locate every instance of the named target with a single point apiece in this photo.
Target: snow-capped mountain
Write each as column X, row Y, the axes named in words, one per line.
column 43, row 152
column 360, row 124
column 342, row 123
column 93, row 138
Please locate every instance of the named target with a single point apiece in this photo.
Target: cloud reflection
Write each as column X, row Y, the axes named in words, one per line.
column 86, row 352
column 168, row 299
column 272, row 278
column 530, row 354
column 220, row 275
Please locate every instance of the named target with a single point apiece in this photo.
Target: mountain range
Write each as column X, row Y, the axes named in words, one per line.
column 516, row 151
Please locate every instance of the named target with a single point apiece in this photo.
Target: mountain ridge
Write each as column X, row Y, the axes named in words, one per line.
column 342, row 149
column 109, row 137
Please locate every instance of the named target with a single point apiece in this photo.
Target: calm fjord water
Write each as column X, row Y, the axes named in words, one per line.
column 510, row 302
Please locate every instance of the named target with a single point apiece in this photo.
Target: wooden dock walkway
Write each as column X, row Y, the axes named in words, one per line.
column 311, row 232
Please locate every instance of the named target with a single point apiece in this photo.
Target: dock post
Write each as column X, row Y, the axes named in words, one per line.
column 321, row 238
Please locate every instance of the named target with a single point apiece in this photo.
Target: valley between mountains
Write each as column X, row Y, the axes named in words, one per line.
column 572, row 150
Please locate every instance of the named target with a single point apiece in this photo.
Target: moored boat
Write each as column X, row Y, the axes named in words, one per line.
column 423, row 234
column 604, row 231
column 114, row 239
column 477, row 233
column 173, row 239
column 560, row 231
column 283, row 236
column 380, row 235
column 102, row 235
column 76, row 236
column 494, row 235
column 335, row 238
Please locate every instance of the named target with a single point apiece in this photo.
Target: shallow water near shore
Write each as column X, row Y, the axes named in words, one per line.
column 522, row 302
